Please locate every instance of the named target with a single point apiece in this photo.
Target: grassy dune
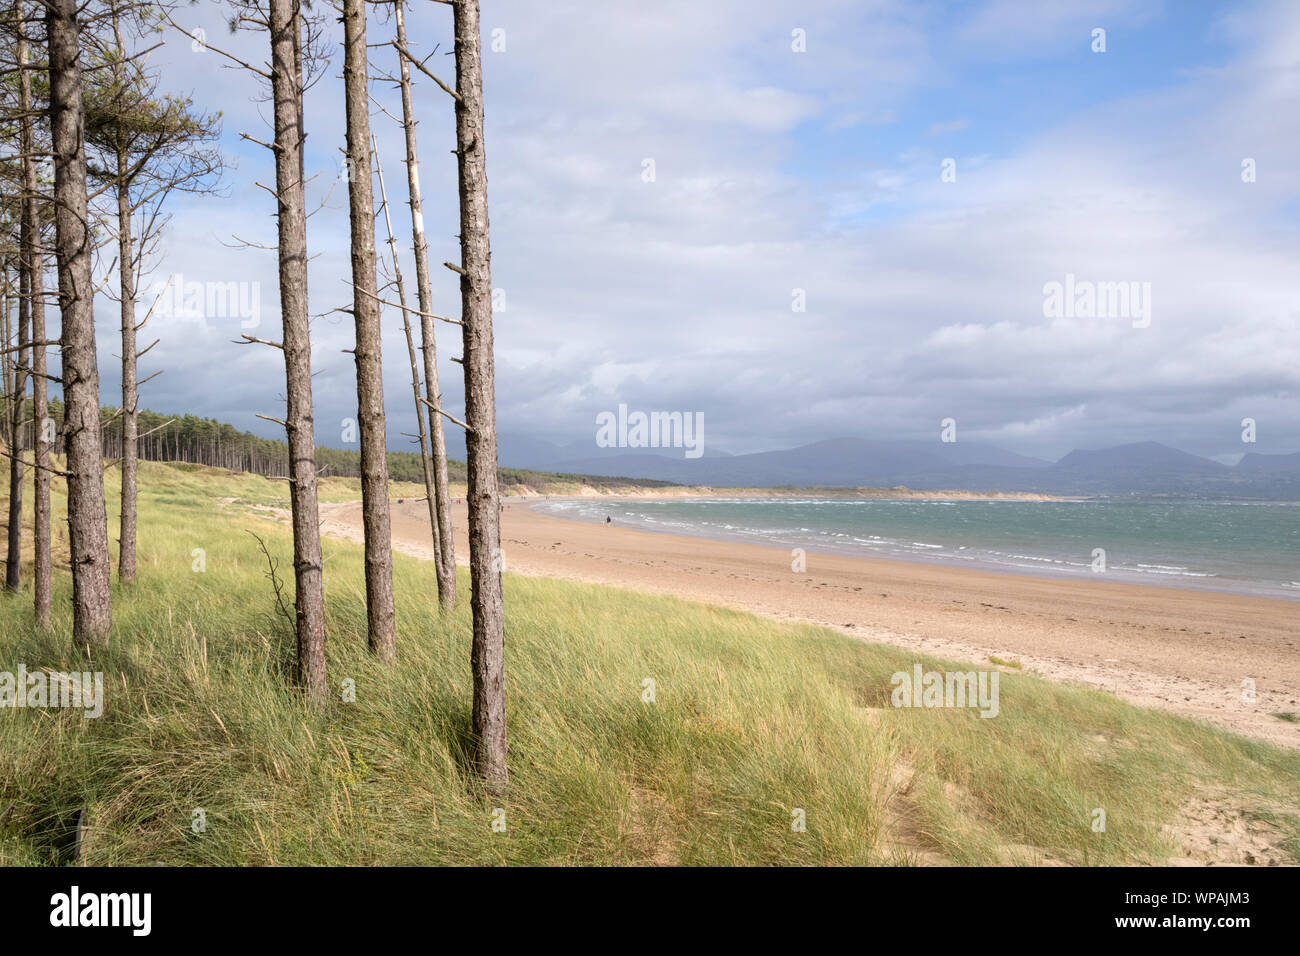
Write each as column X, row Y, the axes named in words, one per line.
column 752, row 721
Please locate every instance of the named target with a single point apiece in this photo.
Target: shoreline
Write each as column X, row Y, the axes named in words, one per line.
column 1184, row 650
column 860, row 493
column 1115, row 575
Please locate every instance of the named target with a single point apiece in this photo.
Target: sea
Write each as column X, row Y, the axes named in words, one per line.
column 1242, row 547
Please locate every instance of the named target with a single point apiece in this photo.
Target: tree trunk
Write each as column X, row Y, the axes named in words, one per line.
column 370, row 372
column 87, row 517
column 429, row 495
column 445, row 560
column 488, row 654
column 7, row 358
column 17, row 389
column 309, row 599
column 126, row 295
column 130, row 410
column 33, row 268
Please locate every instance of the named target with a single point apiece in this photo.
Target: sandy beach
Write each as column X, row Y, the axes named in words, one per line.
column 1176, row 649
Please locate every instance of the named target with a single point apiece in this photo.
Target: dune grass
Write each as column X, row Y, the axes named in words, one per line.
column 751, row 722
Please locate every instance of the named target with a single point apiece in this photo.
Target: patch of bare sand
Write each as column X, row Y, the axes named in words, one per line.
column 1225, row 829
column 903, row 837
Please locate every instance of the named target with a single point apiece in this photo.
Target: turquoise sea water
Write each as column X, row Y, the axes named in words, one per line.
column 1235, row 546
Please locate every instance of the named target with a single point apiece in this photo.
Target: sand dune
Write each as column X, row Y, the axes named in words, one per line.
column 1177, row 649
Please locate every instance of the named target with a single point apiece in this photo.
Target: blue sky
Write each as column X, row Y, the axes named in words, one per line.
column 819, row 171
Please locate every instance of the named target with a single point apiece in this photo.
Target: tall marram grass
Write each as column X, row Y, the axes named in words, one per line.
column 751, row 721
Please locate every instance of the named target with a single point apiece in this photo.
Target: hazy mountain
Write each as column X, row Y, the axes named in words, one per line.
column 1147, row 458
column 1146, row 468
column 837, row 461
column 1253, row 462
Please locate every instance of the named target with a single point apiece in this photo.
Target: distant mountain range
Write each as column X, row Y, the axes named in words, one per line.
column 1145, row 468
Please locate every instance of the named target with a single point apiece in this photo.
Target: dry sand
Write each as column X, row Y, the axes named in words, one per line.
column 1171, row 648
